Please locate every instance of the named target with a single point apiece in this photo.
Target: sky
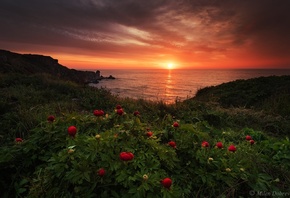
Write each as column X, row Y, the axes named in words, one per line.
column 131, row 34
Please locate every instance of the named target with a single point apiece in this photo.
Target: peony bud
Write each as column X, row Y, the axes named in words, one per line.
column 252, row 142
column 50, row 118
column 118, row 107
column 101, row 172
column 248, row 137
column 136, row 113
column 149, row 133
column 232, row 148
column 175, row 125
column 98, row 113
column 72, row 130
column 172, row 144
column 120, row 111
column 219, row 145
column 205, row 144
column 167, row 182
column 18, row 140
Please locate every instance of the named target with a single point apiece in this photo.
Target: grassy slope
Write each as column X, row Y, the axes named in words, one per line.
column 261, row 103
column 27, row 100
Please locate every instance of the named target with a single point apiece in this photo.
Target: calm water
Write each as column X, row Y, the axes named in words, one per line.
column 169, row 85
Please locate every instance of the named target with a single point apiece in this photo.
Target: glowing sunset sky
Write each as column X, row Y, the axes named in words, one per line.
column 90, row 34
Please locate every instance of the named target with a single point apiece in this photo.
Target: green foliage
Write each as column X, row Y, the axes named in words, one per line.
column 269, row 93
column 50, row 163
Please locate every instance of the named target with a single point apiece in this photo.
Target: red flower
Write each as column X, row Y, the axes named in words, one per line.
column 167, row 182
column 172, row 144
column 232, row 148
column 98, row 113
column 50, row 118
column 126, row 156
column 252, row 142
column 248, row 137
column 205, row 144
column 118, row 107
column 101, row 172
column 18, row 140
column 72, row 130
column 120, row 111
column 136, row 113
column 219, row 145
column 175, row 124
column 149, row 133
column 131, row 155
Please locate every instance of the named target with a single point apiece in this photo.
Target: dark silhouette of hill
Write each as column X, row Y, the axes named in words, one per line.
column 28, row 64
column 268, row 93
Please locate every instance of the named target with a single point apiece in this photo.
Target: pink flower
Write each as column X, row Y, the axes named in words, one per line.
column 50, row 118
column 101, row 172
column 219, row 145
column 205, row 144
column 172, row 144
column 136, row 113
column 72, row 130
column 149, row 133
column 248, row 137
column 18, row 140
column 167, row 182
column 120, row 111
column 175, row 125
column 126, row 156
column 232, row 148
column 118, row 107
column 252, row 142
column 98, row 113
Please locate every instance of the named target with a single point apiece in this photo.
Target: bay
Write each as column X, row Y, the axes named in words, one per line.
column 174, row 85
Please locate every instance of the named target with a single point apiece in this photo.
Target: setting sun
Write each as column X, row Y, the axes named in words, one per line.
column 170, row 66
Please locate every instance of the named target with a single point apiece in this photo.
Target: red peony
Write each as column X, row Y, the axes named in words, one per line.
column 232, row 148
column 205, row 144
column 167, row 182
column 149, row 133
column 18, row 140
column 248, row 137
column 172, row 144
column 126, row 156
column 98, row 113
column 175, row 124
column 120, row 111
column 219, row 145
column 72, row 130
column 118, row 107
column 136, row 113
column 101, row 172
column 252, row 142
column 131, row 155
column 50, row 118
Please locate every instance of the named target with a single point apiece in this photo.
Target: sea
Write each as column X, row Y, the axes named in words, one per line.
column 174, row 85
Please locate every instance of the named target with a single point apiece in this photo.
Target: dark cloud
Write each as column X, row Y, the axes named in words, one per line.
column 107, row 27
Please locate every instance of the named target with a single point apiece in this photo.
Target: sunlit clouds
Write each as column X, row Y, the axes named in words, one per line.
column 150, row 34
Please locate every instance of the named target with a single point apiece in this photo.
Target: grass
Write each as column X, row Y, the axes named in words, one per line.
column 49, row 162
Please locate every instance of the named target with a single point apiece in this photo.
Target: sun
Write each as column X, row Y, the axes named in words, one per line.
column 170, row 66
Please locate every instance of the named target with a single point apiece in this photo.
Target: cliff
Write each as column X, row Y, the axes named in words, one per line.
column 11, row 62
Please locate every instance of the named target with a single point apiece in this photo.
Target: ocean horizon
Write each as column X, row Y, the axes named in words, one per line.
column 173, row 85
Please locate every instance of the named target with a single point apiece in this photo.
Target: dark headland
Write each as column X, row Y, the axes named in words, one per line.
column 11, row 62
